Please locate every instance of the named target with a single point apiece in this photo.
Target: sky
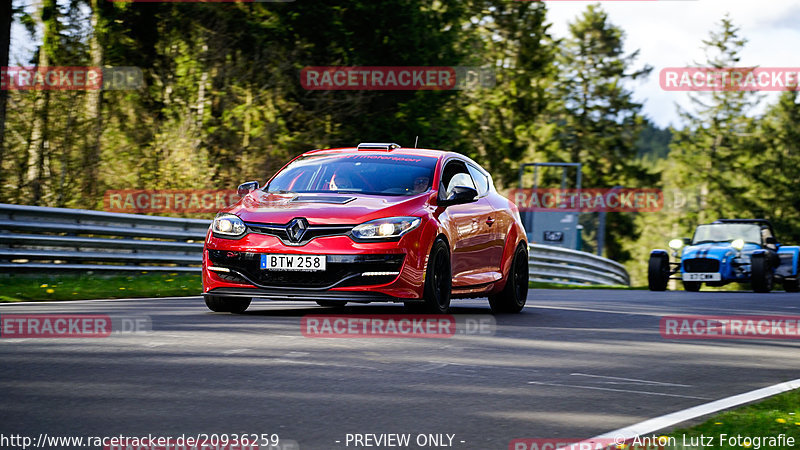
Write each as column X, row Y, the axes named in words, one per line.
column 669, row 33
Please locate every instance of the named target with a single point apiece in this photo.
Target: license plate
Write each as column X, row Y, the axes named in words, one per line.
column 702, row 277
column 303, row 263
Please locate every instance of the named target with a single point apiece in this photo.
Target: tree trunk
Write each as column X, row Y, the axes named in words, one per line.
column 94, row 115
column 39, row 135
column 5, row 43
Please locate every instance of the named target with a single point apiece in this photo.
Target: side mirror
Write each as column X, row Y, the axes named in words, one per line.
column 459, row 196
column 246, row 188
column 687, row 241
column 771, row 240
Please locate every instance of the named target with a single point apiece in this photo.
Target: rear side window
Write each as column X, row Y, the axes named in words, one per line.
column 481, row 180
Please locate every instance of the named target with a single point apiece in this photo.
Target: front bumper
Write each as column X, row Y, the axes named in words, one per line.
column 356, row 271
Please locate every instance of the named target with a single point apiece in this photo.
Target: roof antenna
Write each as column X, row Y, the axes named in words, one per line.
column 415, row 141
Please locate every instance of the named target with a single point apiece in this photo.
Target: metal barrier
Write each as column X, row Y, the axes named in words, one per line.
column 564, row 266
column 61, row 239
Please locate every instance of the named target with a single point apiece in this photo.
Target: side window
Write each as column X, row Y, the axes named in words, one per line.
column 481, row 180
column 455, row 174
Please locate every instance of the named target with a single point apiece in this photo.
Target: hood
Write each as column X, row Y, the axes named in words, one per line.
column 324, row 208
column 715, row 250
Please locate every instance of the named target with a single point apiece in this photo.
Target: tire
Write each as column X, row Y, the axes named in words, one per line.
column 658, row 272
column 438, row 279
column 515, row 293
column 331, row 303
column 791, row 285
column 692, row 286
column 234, row 305
column 761, row 276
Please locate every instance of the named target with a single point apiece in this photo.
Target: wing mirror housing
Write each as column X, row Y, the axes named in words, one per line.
column 246, row 188
column 459, row 196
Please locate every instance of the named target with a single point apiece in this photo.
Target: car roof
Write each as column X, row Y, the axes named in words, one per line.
column 440, row 154
column 400, row 150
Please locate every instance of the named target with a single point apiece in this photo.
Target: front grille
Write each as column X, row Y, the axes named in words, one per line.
column 312, row 232
column 341, row 270
column 701, row 265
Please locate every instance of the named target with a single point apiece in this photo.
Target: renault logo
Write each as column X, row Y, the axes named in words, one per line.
column 296, row 229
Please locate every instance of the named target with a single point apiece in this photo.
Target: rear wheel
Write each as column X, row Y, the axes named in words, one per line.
column 438, row 279
column 692, row 286
column 513, row 296
column 658, row 272
column 791, row 285
column 761, row 276
column 234, row 305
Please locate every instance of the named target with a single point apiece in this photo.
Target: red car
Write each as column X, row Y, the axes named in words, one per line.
column 375, row 223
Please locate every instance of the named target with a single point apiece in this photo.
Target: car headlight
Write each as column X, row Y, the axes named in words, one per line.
column 737, row 244
column 388, row 228
column 676, row 244
column 228, row 225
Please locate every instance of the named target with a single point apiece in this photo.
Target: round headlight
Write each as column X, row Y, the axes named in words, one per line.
column 737, row 244
column 676, row 244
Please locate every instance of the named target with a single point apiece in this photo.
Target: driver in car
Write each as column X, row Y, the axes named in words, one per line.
column 420, row 184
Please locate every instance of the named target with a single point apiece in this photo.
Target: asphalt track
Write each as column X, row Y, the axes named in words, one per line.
column 574, row 364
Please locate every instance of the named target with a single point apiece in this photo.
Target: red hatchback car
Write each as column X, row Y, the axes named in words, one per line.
column 375, row 223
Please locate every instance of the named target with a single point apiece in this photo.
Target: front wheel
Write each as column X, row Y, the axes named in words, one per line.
column 761, row 276
column 234, row 305
column 791, row 285
column 658, row 272
column 514, row 295
column 692, row 286
column 438, row 279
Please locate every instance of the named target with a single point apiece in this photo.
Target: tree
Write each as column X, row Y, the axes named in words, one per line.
column 507, row 124
column 599, row 120
column 718, row 138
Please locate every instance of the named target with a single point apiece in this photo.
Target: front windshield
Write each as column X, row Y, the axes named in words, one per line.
column 364, row 173
column 726, row 232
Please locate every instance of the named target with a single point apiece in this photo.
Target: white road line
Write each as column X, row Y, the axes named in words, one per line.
column 235, row 351
column 604, row 311
column 630, row 379
column 661, row 394
column 659, row 423
column 69, row 302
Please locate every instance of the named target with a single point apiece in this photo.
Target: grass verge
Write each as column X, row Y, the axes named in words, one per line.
column 49, row 287
column 770, row 418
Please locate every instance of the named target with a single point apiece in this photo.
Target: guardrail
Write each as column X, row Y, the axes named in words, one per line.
column 61, row 239
column 36, row 238
column 565, row 266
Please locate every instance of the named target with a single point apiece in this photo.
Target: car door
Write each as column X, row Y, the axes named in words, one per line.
column 493, row 223
column 471, row 243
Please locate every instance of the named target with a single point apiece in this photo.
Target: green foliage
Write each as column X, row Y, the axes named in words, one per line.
column 222, row 103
